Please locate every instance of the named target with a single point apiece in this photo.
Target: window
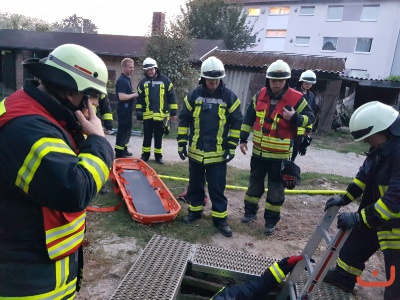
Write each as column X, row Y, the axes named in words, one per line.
column 279, row 10
column 276, row 33
column 253, row 11
column 251, row 39
column 307, row 10
column 363, row 45
column 329, row 44
column 358, row 73
column 302, row 40
column 370, row 13
column 335, row 13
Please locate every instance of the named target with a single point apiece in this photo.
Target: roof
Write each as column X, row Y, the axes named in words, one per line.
column 264, row 59
column 101, row 44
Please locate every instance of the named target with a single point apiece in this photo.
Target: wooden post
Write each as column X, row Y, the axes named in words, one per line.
column 330, row 98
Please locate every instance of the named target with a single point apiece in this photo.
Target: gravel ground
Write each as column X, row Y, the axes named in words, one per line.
column 316, row 160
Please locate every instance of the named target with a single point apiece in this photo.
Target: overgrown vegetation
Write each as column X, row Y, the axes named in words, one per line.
column 216, row 19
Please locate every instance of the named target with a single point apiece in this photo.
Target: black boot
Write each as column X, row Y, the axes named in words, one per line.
column 223, row 227
column 341, row 279
column 250, row 212
column 191, row 217
column 144, row 157
column 119, row 153
column 160, row 161
column 126, row 152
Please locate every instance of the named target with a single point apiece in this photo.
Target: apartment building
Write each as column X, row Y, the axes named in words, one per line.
column 365, row 33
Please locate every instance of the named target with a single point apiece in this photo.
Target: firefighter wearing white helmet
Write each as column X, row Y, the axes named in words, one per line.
column 208, row 133
column 156, row 106
column 273, row 116
column 212, row 68
column 376, row 224
column 51, row 174
column 303, row 138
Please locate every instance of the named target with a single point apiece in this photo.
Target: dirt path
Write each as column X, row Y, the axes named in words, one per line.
column 109, row 258
column 316, row 160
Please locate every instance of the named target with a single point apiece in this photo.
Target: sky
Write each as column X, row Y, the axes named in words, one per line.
column 120, row 17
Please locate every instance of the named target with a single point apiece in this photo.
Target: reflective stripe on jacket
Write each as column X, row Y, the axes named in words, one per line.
column 157, row 98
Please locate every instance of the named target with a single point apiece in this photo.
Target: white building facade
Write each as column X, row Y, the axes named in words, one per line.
column 366, row 33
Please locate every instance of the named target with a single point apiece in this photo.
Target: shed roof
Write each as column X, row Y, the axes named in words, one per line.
column 102, row 44
column 264, row 59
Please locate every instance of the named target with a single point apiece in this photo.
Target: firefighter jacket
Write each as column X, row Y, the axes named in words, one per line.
column 273, row 135
column 106, row 112
column 210, row 123
column 378, row 182
column 310, row 98
column 49, row 174
column 157, row 98
column 258, row 288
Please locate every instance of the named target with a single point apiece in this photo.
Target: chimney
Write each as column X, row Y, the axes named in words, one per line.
column 158, row 24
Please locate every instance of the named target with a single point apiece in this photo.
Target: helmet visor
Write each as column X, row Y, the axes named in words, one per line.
column 214, row 73
column 362, row 133
column 279, row 74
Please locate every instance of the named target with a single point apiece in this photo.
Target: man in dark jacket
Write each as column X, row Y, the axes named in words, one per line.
column 155, row 105
column 303, row 138
column 210, row 121
column 50, row 172
column 376, row 224
column 260, row 287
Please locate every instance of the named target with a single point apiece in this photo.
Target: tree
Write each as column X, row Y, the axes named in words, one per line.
column 21, row 22
column 75, row 24
column 172, row 49
column 215, row 19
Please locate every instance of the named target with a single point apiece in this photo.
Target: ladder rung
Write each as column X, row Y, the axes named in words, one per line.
column 310, row 267
column 327, row 237
column 292, row 290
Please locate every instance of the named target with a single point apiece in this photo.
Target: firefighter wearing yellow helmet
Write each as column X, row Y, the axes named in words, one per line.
column 274, row 115
column 50, row 173
column 376, row 224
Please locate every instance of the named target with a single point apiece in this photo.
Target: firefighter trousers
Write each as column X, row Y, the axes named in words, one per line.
column 151, row 127
column 124, row 112
column 361, row 244
column 215, row 174
column 259, row 169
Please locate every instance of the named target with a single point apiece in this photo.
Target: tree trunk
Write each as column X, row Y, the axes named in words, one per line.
column 329, row 105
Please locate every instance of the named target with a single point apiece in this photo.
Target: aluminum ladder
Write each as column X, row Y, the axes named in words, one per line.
column 305, row 282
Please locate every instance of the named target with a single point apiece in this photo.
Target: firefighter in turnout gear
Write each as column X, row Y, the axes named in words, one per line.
column 376, row 224
column 273, row 115
column 259, row 288
column 156, row 102
column 303, row 138
column 106, row 112
column 50, row 173
column 210, row 122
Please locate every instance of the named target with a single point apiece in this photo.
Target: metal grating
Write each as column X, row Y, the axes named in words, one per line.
column 325, row 291
column 158, row 271
column 229, row 263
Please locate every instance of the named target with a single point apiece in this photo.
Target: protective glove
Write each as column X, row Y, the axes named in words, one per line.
column 182, row 152
column 287, row 264
column 338, row 200
column 139, row 116
column 304, row 144
column 348, row 220
column 229, row 154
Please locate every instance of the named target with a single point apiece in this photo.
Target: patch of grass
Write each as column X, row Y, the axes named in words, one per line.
column 339, row 141
column 121, row 223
